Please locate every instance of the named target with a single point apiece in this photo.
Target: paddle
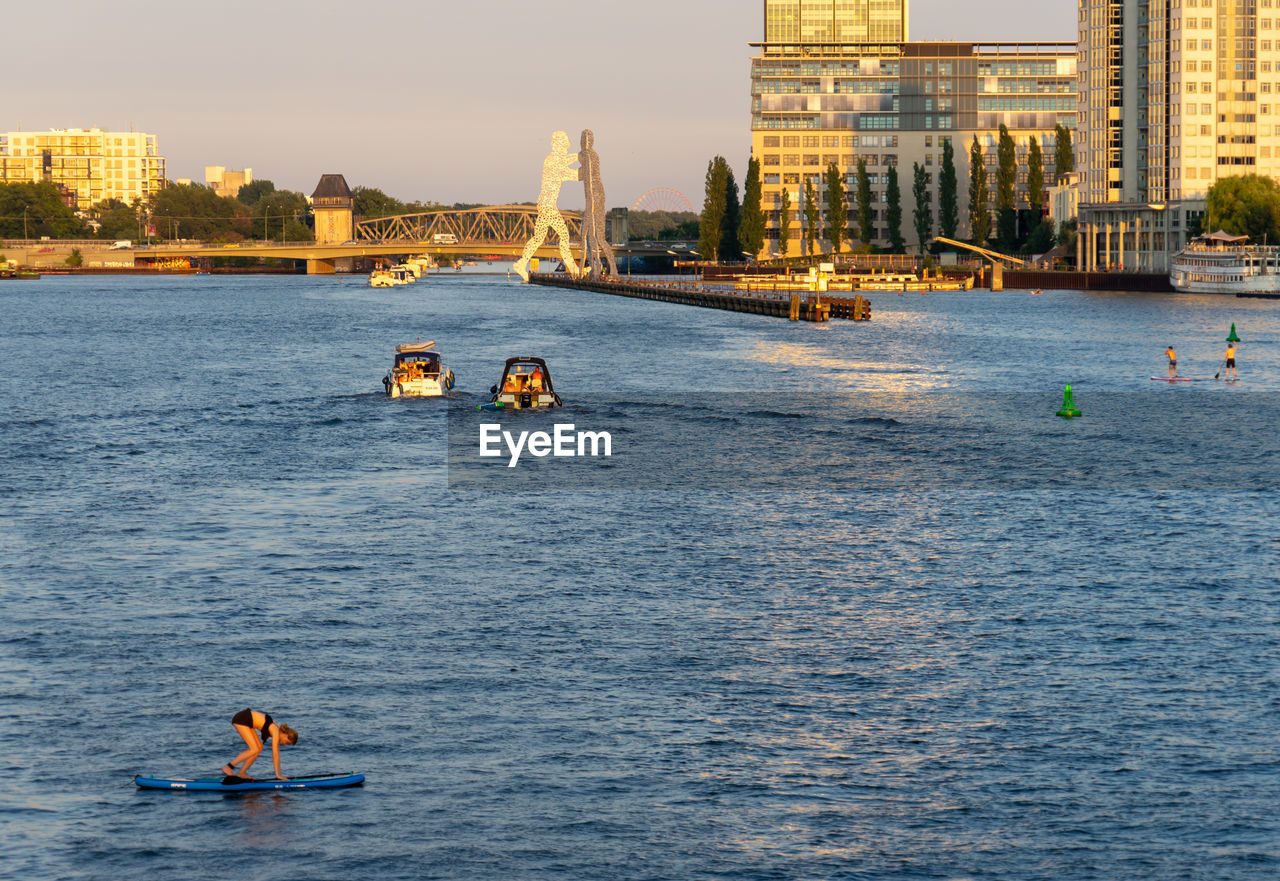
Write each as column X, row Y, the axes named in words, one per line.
column 1224, row 364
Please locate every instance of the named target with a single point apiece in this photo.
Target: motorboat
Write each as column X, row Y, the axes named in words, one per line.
column 525, row 385
column 417, row 372
column 381, row 278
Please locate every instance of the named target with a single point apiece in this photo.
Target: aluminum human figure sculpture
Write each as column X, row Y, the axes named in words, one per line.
column 557, row 169
column 594, row 238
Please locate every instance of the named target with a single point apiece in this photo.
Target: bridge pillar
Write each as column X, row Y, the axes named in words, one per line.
column 997, row 276
column 320, row 267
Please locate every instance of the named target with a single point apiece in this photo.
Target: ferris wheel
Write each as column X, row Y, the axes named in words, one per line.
column 663, row 199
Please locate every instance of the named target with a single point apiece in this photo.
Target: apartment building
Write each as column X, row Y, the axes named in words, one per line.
column 893, row 105
column 1174, row 94
column 95, row 165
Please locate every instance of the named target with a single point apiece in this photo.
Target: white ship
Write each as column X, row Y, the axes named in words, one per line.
column 1221, row 263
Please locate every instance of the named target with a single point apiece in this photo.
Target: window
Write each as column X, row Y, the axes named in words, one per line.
column 771, row 159
column 771, row 141
column 791, row 141
column 791, row 160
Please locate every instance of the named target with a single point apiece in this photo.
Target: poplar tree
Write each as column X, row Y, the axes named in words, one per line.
column 730, row 249
column 1006, row 181
column 837, row 212
column 1035, row 176
column 1064, row 161
column 948, row 209
column 979, row 215
column 713, row 210
column 784, row 223
column 864, row 203
column 751, row 232
column 922, row 214
column 893, row 213
column 812, row 215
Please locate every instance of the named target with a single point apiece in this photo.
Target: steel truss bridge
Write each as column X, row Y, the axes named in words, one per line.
column 495, row 225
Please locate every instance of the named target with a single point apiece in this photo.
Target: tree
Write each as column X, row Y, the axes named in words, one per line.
column 1006, row 182
column 979, row 214
column 1035, row 177
column 893, row 213
column 1245, row 206
column 1006, row 169
column 1064, row 161
column 812, row 215
column 192, row 211
column 948, row 210
column 713, row 210
column 837, row 211
column 864, row 203
column 751, row 232
column 249, row 194
column 32, row 210
column 730, row 249
column 784, row 223
column 116, row 220
column 922, row 213
column 279, row 216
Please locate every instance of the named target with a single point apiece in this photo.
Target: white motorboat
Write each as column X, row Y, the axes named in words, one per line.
column 417, row 372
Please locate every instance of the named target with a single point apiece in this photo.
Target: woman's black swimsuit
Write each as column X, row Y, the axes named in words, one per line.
column 245, row 718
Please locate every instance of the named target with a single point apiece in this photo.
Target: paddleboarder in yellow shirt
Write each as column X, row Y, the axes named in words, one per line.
column 1231, row 361
column 1173, row 362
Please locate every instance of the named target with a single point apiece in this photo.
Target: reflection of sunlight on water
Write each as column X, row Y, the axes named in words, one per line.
column 850, row 373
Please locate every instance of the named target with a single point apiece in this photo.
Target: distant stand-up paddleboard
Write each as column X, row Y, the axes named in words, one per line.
column 1174, row 379
column 243, row 784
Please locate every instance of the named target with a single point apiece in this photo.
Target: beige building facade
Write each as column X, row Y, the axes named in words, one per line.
column 1174, row 95
column 95, row 165
column 227, row 182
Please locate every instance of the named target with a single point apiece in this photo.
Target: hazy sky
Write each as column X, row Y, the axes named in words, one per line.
column 426, row 100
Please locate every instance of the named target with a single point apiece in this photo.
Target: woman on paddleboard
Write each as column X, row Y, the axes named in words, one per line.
column 256, row 728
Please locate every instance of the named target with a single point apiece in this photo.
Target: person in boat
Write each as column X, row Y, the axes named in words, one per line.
column 256, row 728
column 1173, row 362
column 1231, row 361
column 511, row 385
column 535, row 380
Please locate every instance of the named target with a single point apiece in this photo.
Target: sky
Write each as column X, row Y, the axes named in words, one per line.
column 427, row 100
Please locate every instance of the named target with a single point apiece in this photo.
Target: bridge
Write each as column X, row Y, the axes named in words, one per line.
column 501, row 230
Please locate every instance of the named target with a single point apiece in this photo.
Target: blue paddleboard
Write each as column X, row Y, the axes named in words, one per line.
column 241, row 784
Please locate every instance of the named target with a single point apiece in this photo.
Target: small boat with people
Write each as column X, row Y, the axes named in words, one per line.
column 1220, row 263
column 417, row 372
column 525, row 385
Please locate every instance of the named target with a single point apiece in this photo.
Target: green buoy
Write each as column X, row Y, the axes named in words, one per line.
column 1231, row 337
column 1069, row 408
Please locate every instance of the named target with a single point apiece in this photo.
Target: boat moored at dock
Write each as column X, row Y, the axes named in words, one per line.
column 1221, row 263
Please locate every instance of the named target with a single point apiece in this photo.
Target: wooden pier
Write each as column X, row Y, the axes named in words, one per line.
column 796, row 307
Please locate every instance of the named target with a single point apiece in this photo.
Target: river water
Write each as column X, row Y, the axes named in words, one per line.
column 848, row 601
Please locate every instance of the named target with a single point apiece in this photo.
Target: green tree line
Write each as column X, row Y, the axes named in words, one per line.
column 1020, row 225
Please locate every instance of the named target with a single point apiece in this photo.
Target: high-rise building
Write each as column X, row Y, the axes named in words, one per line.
column 96, row 165
column 835, row 21
column 1174, row 94
column 895, row 105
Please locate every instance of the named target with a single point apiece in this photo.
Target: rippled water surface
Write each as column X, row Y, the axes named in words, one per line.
column 864, row 670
